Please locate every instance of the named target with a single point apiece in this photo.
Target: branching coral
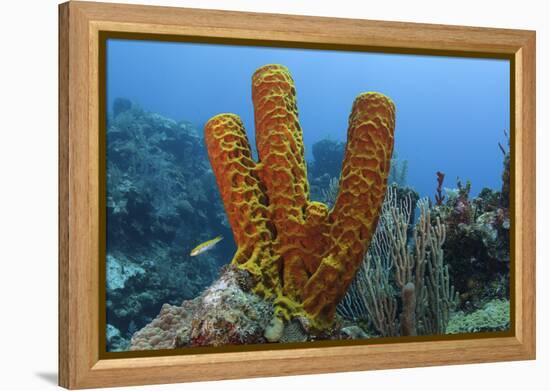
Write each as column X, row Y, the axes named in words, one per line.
column 424, row 267
column 371, row 296
column 418, row 271
column 301, row 254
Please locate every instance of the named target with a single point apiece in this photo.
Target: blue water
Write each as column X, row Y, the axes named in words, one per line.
column 451, row 112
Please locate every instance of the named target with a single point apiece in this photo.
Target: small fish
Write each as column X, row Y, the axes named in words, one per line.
column 205, row 246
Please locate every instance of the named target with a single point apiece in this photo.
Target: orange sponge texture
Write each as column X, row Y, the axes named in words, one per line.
column 301, row 254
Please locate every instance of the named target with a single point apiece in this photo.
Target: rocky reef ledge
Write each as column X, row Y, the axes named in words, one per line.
column 226, row 313
column 223, row 314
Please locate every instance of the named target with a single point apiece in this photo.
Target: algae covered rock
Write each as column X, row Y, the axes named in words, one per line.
column 224, row 314
column 228, row 315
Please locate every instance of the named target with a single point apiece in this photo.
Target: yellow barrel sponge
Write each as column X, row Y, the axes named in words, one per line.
column 301, row 254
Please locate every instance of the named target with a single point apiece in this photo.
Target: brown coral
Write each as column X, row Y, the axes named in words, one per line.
column 300, row 253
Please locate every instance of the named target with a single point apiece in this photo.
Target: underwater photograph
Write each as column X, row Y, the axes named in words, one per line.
column 265, row 196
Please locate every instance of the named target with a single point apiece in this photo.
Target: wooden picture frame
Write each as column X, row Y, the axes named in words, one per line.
column 81, row 364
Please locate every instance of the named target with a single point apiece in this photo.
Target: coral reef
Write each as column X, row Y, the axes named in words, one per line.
column 172, row 322
column 115, row 339
column 119, row 272
column 299, row 253
column 493, row 316
column 435, row 295
column 224, row 314
column 415, row 273
column 228, row 314
column 331, row 250
column 477, row 244
column 158, row 176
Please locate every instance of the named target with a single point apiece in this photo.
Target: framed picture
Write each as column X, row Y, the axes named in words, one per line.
column 247, row 195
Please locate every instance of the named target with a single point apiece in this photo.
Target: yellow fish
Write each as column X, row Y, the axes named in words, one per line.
column 205, row 246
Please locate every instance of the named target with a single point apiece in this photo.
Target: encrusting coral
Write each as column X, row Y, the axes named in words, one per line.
column 300, row 254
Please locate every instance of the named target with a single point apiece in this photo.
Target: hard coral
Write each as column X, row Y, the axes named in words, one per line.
column 301, row 254
column 223, row 314
column 161, row 333
column 494, row 316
